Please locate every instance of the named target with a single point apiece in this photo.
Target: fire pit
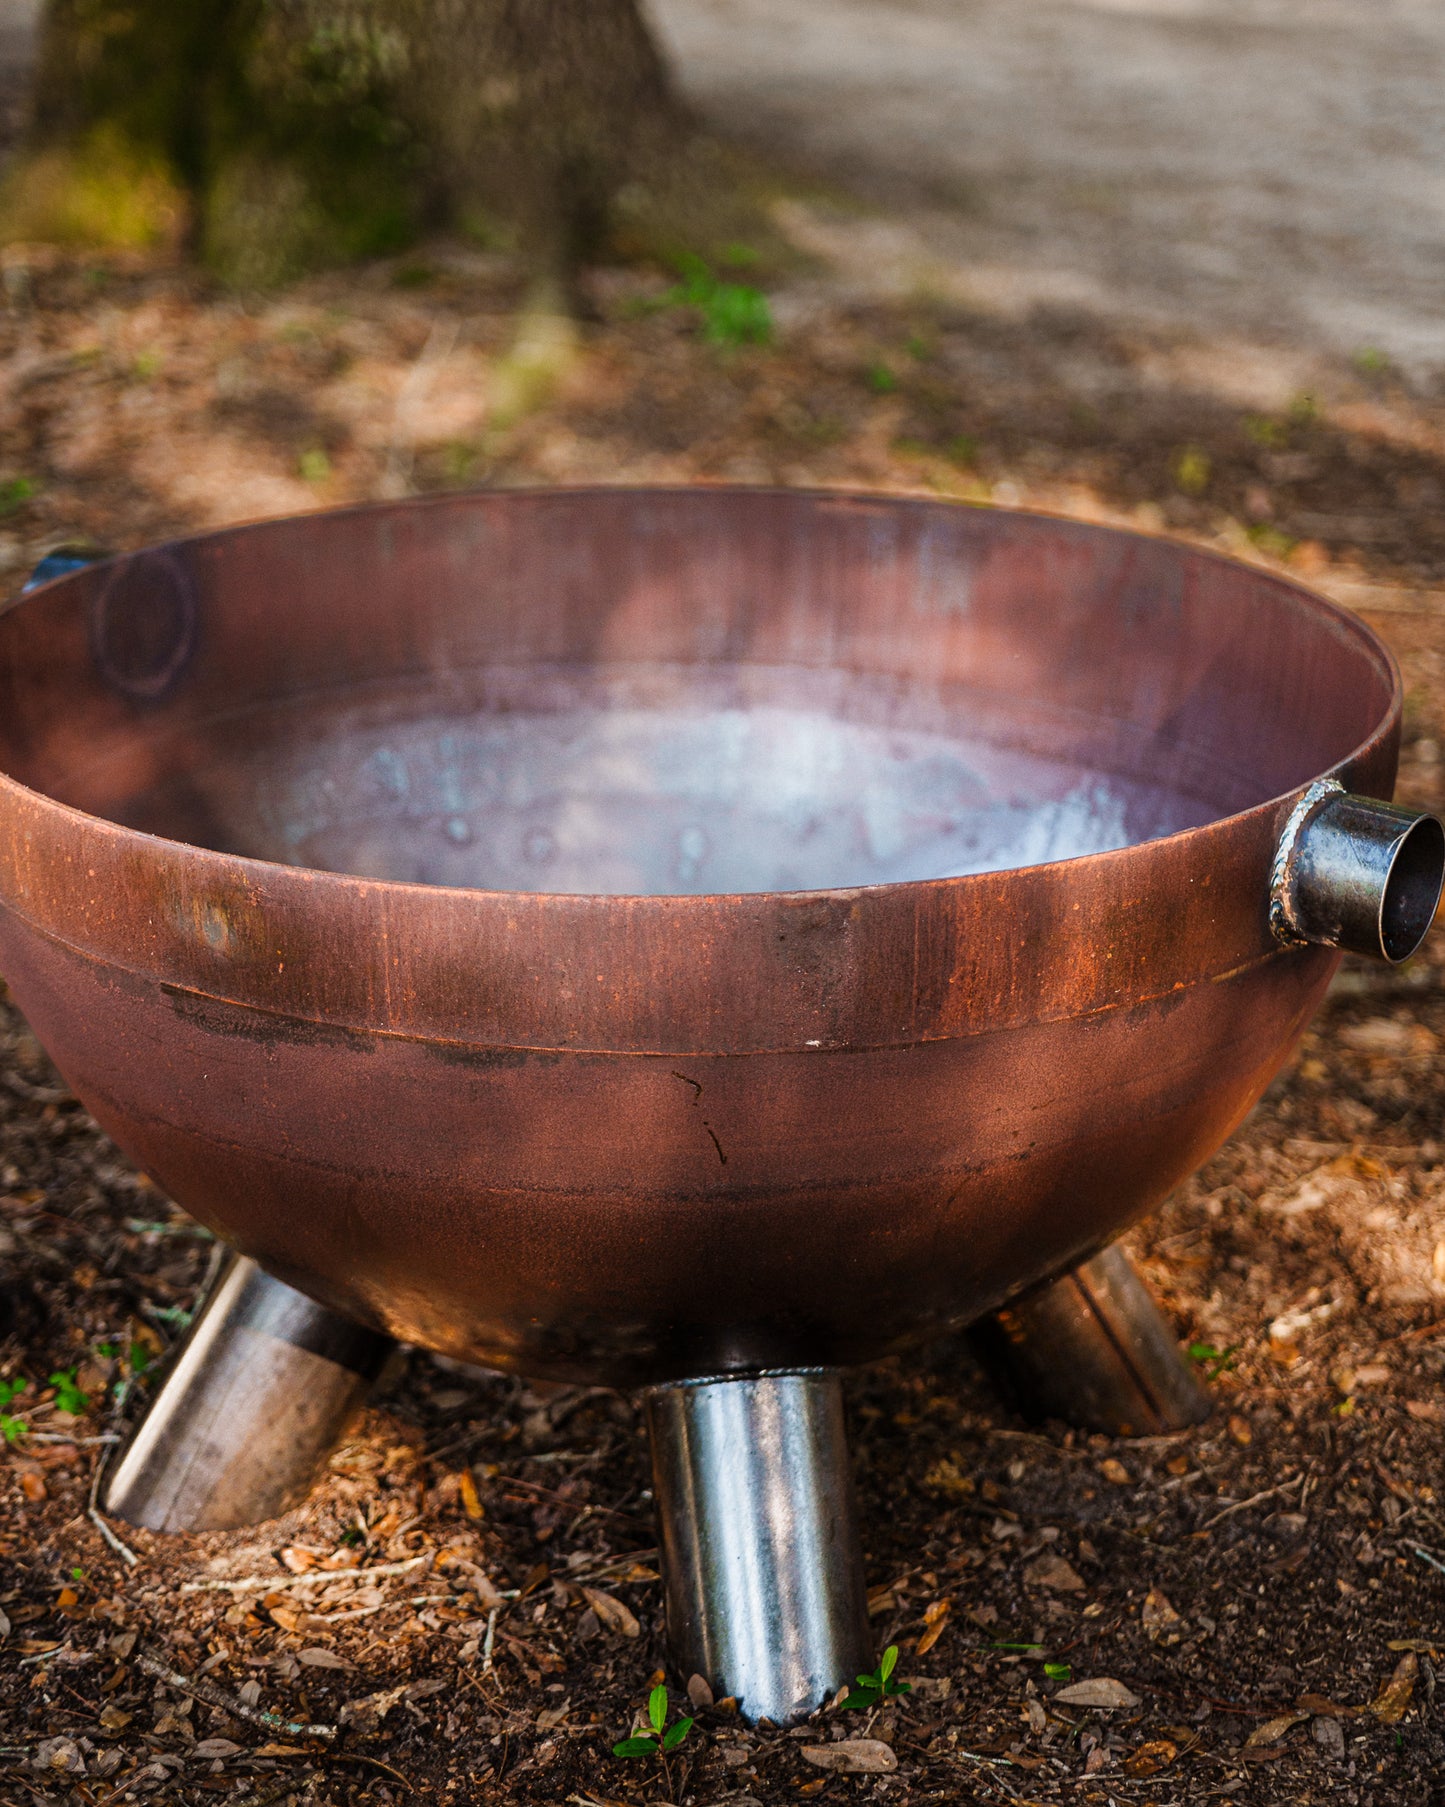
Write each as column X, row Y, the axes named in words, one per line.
column 689, row 939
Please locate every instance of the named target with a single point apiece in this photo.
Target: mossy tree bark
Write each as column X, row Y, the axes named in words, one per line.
column 287, row 134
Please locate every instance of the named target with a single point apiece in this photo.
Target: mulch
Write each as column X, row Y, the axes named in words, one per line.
column 1266, row 1594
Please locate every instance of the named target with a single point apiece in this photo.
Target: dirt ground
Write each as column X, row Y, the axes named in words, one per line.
column 1267, row 1593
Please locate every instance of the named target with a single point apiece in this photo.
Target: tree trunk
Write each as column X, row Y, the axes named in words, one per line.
column 281, row 135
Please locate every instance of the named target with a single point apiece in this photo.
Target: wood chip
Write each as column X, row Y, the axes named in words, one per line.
column 1392, row 1702
column 318, row 1658
column 852, row 1757
column 1150, row 1758
column 935, row 1621
column 471, row 1499
column 1159, row 1619
column 1115, row 1473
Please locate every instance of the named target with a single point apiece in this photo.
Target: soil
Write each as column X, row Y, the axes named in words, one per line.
column 1267, row 1592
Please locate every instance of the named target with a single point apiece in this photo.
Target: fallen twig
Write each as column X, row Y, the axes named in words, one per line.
column 229, row 1703
column 247, row 1584
column 93, row 1513
column 1255, row 1499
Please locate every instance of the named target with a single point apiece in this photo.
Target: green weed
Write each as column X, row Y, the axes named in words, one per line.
column 661, row 1738
column 729, row 313
column 869, row 1690
column 68, row 1396
column 12, row 1429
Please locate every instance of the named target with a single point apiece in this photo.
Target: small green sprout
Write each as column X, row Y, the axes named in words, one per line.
column 313, row 466
column 880, row 1685
column 1214, row 1361
column 77, row 1573
column 662, row 1738
column 12, row 1429
column 880, row 378
column 68, row 1396
column 1057, row 1672
column 140, row 1358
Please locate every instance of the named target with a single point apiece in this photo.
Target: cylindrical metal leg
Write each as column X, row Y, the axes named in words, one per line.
column 1094, row 1350
column 759, row 1535
column 255, row 1400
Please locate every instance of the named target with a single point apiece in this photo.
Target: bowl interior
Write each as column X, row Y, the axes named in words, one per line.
column 695, row 691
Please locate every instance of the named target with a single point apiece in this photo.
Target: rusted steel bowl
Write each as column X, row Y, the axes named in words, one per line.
column 637, row 934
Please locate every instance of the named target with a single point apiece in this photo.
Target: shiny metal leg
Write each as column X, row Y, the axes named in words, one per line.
column 255, row 1400
column 759, row 1535
column 1094, row 1350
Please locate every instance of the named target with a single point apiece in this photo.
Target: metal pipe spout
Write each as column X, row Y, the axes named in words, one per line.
column 1354, row 873
column 759, row 1535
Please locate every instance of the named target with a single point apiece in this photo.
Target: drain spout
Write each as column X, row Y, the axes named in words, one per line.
column 1354, row 873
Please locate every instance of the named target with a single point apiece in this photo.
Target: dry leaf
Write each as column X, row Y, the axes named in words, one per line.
column 853, row 1757
column 1328, row 1708
column 1114, row 1471
column 1053, row 1572
column 33, row 1488
column 1102, row 1692
column 62, row 1754
column 611, row 1612
column 1391, row 1703
column 471, row 1499
column 298, row 1558
column 935, row 1621
column 1158, row 1617
column 4, row 1626
column 215, row 1747
column 1428, row 1411
column 1150, row 1758
column 317, row 1658
column 699, row 1691
column 112, row 1719
column 289, row 1618
column 1273, row 1730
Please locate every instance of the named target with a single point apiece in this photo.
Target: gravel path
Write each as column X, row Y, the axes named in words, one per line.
column 1273, row 169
